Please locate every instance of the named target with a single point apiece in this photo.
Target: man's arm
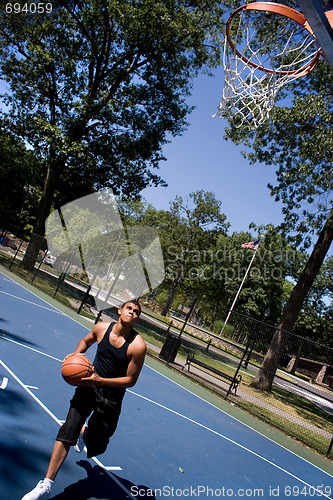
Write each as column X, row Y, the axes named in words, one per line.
column 89, row 339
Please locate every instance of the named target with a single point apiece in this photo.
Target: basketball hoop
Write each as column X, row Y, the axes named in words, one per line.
column 267, row 45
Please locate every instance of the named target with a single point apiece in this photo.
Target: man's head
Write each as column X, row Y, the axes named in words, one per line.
column 130, row 311
column 134, row 302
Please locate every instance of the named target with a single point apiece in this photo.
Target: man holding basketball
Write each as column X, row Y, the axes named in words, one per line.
column 119, row 358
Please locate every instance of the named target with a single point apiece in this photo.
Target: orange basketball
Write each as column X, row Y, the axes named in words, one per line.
column 76, row 367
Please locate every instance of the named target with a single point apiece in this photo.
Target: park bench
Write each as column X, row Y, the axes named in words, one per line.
column 234, row 381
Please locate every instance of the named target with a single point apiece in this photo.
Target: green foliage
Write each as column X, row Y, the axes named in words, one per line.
column 189, row 231
column 19, row 179
column 202, row 260
column 315, row 319
column 218, row 325
column 297, row 141
column 95, row 87
column 263, row 290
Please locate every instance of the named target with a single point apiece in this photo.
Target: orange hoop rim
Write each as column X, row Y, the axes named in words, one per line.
column 282, row 10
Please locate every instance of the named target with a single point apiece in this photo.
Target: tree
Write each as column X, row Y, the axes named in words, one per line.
column 304, row 185
column 315, row 318
column 263, row 288
column 95, row 87
column 302, row 157
column 191, row 227
column 215, row 263
column 265, row 376
column 19, row 180
column 186, row 232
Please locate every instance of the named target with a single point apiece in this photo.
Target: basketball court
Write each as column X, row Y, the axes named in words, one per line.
column 169, row 443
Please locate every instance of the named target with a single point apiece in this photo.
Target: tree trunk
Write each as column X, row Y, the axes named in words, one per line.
column 37, row 237
column 265, row 376
column 298, row 356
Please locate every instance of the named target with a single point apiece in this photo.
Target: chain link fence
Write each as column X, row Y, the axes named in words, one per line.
column 301, row 400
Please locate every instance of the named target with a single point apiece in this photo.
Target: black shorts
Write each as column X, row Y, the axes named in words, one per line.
column 101, row 425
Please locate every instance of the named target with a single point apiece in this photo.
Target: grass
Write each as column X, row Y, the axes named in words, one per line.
column 295, row 406
column 46, row 285
column 150, row 336
column 311, row 439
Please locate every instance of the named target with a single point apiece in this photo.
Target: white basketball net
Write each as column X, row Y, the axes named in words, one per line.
column 270, row 41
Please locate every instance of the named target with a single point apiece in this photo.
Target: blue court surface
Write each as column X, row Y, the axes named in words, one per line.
column 170, row 443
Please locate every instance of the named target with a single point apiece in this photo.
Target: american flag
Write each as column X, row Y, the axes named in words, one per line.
column 253, row 245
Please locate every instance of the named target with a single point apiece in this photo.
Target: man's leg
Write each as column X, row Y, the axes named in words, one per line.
column 59, row 453
column 67, row 437
column 43, row 488
column 81, row 441
column 101, row 426
column 82, row 404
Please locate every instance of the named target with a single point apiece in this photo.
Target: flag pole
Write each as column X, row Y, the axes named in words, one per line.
column 239, row 290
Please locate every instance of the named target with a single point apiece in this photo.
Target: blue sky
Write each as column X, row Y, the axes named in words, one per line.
column 202, row 159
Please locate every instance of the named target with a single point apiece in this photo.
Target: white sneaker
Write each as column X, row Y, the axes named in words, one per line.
column 80, row 444
column 42, row 490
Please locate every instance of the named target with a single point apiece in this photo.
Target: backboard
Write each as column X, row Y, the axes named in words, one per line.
column 318, row 16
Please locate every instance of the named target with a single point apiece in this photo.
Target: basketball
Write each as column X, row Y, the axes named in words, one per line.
column 75, row 367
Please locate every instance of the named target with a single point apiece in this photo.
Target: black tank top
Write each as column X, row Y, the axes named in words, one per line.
column 112, row 362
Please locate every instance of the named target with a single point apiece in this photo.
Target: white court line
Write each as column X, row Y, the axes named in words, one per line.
column 54, row 309
column 107, row 469
column 25, row 387
column 32, row 303
column 4, row 383
column 3, row 337
column 230, row 441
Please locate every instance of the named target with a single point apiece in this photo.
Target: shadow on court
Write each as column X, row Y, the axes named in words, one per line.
column 12, row 403
column 18, row 462
column 12, row 336
column 99, row 484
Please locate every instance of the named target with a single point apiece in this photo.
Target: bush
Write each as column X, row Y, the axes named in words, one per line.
column 218, row 325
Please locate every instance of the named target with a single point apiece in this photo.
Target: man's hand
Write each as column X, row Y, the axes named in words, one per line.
column 91, row 381
column 72, row 354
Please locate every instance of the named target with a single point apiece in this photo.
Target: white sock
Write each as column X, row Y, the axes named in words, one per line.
column 47, row 480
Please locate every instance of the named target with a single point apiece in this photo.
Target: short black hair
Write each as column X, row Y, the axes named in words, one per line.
column 132, row 301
